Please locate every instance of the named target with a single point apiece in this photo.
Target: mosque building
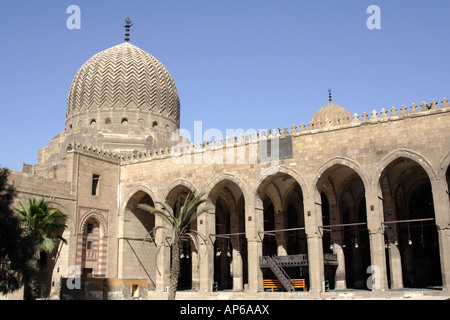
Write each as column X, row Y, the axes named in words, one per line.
column 344, row 203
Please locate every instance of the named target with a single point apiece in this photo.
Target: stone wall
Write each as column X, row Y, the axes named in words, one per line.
column 366, row 146
column 238, row 169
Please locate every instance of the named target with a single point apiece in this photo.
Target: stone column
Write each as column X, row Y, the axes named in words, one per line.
column 255, row 279
column 377, row 270
column 206, row 266
column 206, row 226
column 195, row 269
column 236, row 263
column 340, row 280
column 162, row 259
column 254, row 222
column 444, row 251
column 313, row 219
column 337, row 236
column 442, row 213
column 281, row 237
column 395, row 260
column 395, row 264
column 238, row 280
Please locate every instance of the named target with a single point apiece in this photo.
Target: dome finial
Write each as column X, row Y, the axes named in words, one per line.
column 127, row 29
column 329, row 95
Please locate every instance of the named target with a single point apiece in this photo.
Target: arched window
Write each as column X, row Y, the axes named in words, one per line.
column 91, row 248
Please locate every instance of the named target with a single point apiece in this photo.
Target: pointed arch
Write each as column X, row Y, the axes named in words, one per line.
column 230, row 177
column 227, row 193
column 344, row 162
column 406, row 180
column 179, row 182
column 134, row 191
column 99, row 218
column 346, row 235
column 444, row 166
column 136, row 247
column 381, row 171
column 290, row 172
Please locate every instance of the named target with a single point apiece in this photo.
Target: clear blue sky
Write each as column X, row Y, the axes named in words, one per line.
column 249, row 64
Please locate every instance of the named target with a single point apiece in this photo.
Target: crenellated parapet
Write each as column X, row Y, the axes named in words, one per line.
column 376, row 117
column 92, row 151
column 313, row 127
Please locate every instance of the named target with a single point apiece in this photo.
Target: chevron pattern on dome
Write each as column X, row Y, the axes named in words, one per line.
column 124, row 76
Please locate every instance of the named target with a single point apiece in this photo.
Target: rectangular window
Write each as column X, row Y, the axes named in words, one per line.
column 89, row 245
column 90, row 227
column 95, row 181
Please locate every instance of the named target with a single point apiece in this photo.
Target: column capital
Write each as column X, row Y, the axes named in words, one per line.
column 252, row 240
column 314, row 236
column 375, row 231
column 441, row 204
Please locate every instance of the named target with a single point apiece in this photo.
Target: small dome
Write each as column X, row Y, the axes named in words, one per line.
column 124, row 76
column 331, row 112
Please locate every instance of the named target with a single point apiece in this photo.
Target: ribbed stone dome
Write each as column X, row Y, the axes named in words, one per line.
column 331, row 112
column 124, row 78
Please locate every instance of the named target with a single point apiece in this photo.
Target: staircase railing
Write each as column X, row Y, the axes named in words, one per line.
column 279, row 272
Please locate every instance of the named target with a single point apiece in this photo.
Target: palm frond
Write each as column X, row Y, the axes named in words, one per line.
column 166, row 212
column 199, row 235
column 48, row 244
column 42, row 223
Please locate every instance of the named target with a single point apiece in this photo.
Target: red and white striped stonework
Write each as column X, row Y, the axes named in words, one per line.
column 92, row 249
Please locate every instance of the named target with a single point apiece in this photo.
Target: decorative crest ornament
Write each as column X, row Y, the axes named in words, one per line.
column 329, row 95
column 127, row 29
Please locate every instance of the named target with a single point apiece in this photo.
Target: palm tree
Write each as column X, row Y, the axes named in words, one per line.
column 42, row 226
column 177, row 222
